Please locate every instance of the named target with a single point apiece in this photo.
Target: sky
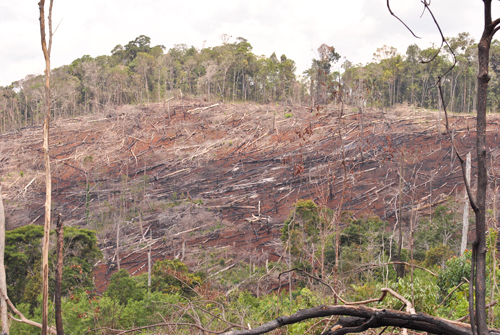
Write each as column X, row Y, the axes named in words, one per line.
column 291, row 27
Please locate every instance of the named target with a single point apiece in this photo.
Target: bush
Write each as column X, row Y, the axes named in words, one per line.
column 172, row 276
column 452, row 275
column 123, row 288
column 437, row 256
column 23, row 256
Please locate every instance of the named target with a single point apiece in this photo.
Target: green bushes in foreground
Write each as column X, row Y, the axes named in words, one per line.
column 181, row 301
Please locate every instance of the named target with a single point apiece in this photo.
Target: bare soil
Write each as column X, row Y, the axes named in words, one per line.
column 184, row 180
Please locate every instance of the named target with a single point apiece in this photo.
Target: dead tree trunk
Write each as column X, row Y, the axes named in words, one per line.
column 465, row 229
column 48, row 179
column 59, row 270
column 479, row 245
column 3, row 283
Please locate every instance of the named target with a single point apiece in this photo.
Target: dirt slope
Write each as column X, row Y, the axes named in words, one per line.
column 185, row 180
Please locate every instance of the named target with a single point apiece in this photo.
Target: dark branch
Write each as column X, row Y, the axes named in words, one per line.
column 404, row 24
column 164, row 324
column 494, row 31
column 365, row 318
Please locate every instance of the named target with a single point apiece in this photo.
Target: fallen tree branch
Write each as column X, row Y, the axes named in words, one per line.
column 408, row 304
column 164, row 324
column 23, row 319
column 190, row 230
column 225, row 269
column 201, row 108
column 363, row 317
column 449, row 294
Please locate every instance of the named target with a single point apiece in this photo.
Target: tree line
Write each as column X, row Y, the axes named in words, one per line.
column 141, row 73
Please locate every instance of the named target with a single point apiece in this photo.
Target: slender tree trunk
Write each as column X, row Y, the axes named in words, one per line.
column 48, row 179
column 465, row 229
column 118, row 244
column 159, row 83
column 479, row 247
column 464, row 105
column 412, row 88
column 149, row 260
column 468, row 98
column 59, row 271
column 26, row 111
column 439, row 119
column 452, row 92
column 400, row 267
column 3, row 283
column 146, row 87
column 234, row 82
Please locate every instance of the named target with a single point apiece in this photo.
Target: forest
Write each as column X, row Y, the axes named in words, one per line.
column 140, row 73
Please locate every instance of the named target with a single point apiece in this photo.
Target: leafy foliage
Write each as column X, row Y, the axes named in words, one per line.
column 444, row 228
column 23, row 257
column 123, row 288
column 457, row 270
column 172, row 276
column 363, row 243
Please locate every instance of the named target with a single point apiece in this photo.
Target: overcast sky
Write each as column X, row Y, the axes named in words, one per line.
column 294, row 28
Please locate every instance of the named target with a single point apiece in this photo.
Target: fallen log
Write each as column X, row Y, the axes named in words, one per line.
column 362, row 318
column 201, row 108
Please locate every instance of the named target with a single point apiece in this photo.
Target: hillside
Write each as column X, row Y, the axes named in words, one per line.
column 192, row 177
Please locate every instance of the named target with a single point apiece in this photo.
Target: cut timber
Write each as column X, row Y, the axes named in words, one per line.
column 174, row 173
column 225, row 269
column 190, row 230
column 201, row 108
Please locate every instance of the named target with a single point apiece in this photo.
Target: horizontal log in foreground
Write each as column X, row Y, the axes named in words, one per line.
column 362, row 318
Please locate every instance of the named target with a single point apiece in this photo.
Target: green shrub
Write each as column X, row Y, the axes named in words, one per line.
column 452, row 275
column 23, row 255
column 173, row 277
column 437, row 256
column 123, row 288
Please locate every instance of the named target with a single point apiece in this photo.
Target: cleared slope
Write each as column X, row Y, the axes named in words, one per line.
column 187, row 180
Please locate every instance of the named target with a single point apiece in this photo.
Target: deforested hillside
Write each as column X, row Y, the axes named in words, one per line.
column 194, row 177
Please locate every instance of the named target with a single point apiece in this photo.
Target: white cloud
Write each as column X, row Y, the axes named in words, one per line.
column 294, row 28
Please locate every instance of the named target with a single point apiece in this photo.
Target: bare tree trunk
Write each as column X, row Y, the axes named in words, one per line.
column 149, row 261
column 26, row 110
column 48, row 179
column 479, row 246
column 3, row 283
column 183, row 247
column 118, row 245
column 465, row 229
column 59, row 271
column 439, row 119
column 149, row 271
column 400, row 269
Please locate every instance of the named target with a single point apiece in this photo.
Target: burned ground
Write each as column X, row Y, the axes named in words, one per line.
column 192, row 177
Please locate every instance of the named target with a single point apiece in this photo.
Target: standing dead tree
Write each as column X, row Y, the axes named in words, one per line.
column 479, row 246
column 48, row 180
column 59, row 272
column 3, row 282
